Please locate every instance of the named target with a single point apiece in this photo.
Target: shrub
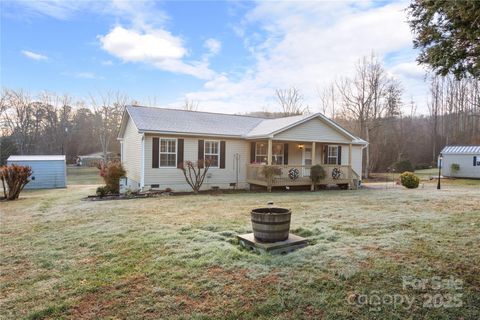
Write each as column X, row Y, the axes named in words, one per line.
column 455, row 167
column 195, row 173
column 270, row 172
column 102, row 191
column 317, row 173
column 409, row 180
column 111, row 174
column 15, row 177
column 403, row 166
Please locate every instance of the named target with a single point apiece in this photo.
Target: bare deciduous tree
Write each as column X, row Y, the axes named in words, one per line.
column 328, row 96
column 365, row 99
column 190, row 105
column 108, row 109
column 291, row 101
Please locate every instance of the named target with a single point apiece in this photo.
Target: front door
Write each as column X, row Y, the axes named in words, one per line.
column 307, row 160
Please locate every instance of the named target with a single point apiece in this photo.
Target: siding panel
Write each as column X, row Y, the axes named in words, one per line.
column 312, row 130
column 132, row 157
column 173, row 177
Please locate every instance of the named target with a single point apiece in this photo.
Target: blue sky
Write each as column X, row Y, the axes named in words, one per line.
column 230, row 56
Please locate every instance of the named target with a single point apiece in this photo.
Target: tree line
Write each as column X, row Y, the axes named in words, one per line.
column 55, row 124
column 369, row 104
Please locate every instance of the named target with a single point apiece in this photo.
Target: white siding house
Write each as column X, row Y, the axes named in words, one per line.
column 47, row 171
column 155, row 141
column 466, row 157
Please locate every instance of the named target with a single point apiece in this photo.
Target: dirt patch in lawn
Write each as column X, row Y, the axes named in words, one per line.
column 230, row 289
column 111, row 299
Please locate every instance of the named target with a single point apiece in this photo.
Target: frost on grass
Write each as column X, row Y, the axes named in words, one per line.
column 180, row 254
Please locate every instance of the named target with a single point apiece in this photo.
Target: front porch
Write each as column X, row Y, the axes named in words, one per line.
column 344, row 176
column 293, row 161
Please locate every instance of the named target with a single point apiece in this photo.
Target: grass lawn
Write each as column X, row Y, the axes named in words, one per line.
column 176, row 257
column 83, row 175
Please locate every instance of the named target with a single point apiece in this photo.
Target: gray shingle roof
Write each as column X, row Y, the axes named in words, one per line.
column 151, row 119
column 460, row 150
column 176, row 121
column 267, row 126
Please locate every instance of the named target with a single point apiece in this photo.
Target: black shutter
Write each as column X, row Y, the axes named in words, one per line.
column 474, row 161
column 155, row 152
column 252, row 152
column 285, row 153
column 222, row 154
column 179, row 152
column 325, row 154
column 339, row 155
column 200, row 151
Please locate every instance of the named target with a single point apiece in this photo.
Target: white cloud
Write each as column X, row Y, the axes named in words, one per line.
column 34, row 55
column 309, row 45
column 139, row 13
column 213, row 45
column 133, row 46
column 156, row 47
column 58, row 9
column 409, row 70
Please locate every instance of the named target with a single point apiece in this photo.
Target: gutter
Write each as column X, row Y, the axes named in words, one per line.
column 142, row 168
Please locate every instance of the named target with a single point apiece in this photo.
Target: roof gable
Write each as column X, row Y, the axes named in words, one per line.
column 311, row 130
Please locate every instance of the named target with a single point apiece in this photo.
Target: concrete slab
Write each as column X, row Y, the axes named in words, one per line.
column 293, row 243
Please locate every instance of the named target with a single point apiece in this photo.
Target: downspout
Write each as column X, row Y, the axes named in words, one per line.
column 142, row 170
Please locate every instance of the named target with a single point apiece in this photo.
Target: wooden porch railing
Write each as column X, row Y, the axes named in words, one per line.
column 334, row 174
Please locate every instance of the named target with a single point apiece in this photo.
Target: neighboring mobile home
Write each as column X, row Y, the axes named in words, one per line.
column 461, row 161
column 47, row 171
column 155, row 141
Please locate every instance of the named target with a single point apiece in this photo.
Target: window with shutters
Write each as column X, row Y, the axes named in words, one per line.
column 168, row 152
column 212, row 152
column 332, row 155
column 278, row 153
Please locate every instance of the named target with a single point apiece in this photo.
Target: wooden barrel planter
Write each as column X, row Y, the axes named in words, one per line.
column 271, row 224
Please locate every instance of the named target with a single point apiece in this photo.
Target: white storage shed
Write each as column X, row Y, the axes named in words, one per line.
column 466, row 157
column 48, row 171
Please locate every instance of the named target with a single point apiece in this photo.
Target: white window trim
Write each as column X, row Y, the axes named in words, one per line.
column 332, row 157
column 212, row 154
column 259, row 155
column 160, row 152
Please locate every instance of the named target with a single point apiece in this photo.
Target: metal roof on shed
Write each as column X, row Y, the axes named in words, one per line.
column 37, row 158
column 460, row 150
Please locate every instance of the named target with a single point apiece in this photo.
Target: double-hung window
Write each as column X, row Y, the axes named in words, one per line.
column 332, row 155
column 168, row 152
column 260, row 153
column 212, row 153
column 277, row 153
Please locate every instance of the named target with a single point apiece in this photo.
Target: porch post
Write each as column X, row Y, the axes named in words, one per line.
column 350, row 154
column 313, row 153
column 269, row 152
